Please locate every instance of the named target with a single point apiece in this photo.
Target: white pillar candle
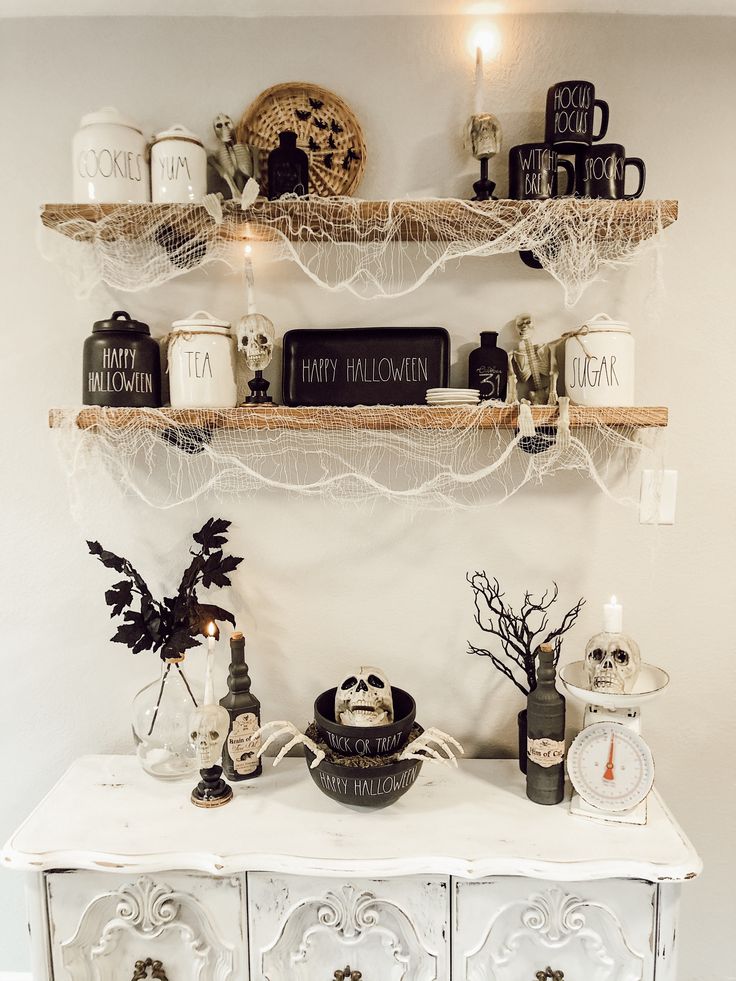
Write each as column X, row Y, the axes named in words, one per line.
column 613, row 617
column 478, row 93
column 209, row 691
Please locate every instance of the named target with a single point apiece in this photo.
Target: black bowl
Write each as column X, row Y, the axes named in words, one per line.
column 365, row 740
column 375, row 786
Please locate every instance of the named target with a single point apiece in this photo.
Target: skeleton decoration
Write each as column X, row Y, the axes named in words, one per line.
column 534, row 364
column 233, row 161
column 432, row 744
column 612, row 663
column 364, row 698
column 256, row 335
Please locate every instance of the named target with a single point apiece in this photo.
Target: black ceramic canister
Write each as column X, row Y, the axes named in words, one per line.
column 121, row 364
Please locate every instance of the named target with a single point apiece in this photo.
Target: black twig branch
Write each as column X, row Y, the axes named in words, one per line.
column 520, row 634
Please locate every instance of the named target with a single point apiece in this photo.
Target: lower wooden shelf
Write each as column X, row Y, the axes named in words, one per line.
column 373, row 418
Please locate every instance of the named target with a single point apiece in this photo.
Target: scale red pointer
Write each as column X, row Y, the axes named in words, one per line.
column 608, row 775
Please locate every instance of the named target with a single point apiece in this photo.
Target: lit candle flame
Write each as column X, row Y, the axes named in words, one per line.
column 211, row 628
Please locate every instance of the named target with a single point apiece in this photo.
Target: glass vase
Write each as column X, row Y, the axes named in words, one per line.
column 161, row 714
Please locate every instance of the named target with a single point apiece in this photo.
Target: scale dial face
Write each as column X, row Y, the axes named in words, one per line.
column 610, row 766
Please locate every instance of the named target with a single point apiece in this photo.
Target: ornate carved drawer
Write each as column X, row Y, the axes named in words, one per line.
column 519, row 929
column 305, row 928
column 102, row 924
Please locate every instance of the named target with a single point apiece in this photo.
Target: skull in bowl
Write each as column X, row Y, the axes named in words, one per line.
column 364, row 698
column 208, row 729
column 256, row 335
column 612, row 663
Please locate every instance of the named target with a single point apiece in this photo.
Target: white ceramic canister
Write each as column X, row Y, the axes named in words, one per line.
column 178, row 167
column 599, row 363
column 202, row 363
column 110, row 163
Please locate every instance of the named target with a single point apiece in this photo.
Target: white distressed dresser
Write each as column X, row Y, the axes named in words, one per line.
column 463, row 878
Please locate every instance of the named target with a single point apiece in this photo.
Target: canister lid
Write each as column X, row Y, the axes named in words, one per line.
column 602, row 321
column 202, row 320
column 109, row 116
column 120, row 320
column 178, row 132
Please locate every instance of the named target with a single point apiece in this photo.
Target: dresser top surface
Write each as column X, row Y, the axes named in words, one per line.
column 474, row 821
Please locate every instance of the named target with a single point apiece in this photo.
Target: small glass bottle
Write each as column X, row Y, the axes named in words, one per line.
column 161, row 713
column 288, row 168
column 545, row 741
column 239, row 758
column 488, row 368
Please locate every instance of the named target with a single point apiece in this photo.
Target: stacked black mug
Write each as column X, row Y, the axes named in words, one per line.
column 598, row 171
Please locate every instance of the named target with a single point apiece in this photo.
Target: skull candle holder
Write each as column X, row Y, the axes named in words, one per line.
column 483, row 139
column 256, row 335
column 612, row 663
column 209, row 728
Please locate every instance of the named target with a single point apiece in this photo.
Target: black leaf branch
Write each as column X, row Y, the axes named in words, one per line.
column 173, row 625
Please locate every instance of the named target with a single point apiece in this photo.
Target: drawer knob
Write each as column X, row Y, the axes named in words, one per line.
column 141, row 968
column 549, row 975
column 347, row 975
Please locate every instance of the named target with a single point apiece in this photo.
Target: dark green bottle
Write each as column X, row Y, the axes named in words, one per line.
column 545, row 740
column 239, row 758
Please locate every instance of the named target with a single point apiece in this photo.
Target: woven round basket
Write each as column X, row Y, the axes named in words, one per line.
column 326, row 130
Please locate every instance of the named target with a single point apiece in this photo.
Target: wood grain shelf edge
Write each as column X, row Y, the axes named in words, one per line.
column 373, row 418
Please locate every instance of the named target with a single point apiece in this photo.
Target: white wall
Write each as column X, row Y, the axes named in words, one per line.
column 323, row 586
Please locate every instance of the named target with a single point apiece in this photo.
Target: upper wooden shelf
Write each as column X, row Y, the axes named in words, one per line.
column 317, row 220
column 374, row 418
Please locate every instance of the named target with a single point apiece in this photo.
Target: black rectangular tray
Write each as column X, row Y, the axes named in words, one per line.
column 364, row 365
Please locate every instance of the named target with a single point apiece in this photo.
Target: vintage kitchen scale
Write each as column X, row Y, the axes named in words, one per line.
column 609, row 764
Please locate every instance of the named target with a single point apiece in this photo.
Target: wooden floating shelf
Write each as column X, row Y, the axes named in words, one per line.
column 319, row 220
column 374, row 418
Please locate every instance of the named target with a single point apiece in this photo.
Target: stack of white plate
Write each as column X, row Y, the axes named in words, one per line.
column 453, row 396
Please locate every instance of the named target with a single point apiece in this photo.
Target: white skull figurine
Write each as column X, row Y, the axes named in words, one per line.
column 364, row 698
column 256, row 335
column 612, row 663
column 208, row 729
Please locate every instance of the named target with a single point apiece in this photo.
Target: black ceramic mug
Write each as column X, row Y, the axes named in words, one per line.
column 600, row 172
column 570, row 116
column 533, row 172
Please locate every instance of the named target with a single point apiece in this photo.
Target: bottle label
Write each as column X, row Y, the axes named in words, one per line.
column 243, row 752
column 546, row 752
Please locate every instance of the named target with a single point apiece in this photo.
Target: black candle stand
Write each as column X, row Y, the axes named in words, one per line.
column 212, row 790
column 258, row 388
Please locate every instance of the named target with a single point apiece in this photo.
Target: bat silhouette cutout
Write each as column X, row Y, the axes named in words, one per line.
column 316, row 103
column 313, row 144
column 335, row 126
column 320, row 123
column 302, row 114
column 327, row 160
column 331, row 142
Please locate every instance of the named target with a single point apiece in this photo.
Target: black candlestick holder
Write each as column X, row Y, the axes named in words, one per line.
column 212, row 790
column 258, row 391
column 484, row 187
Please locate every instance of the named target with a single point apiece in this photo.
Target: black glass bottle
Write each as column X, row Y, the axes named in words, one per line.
column 488, row 368
column 239, row 757
column 545, row 739
column 288, row 168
